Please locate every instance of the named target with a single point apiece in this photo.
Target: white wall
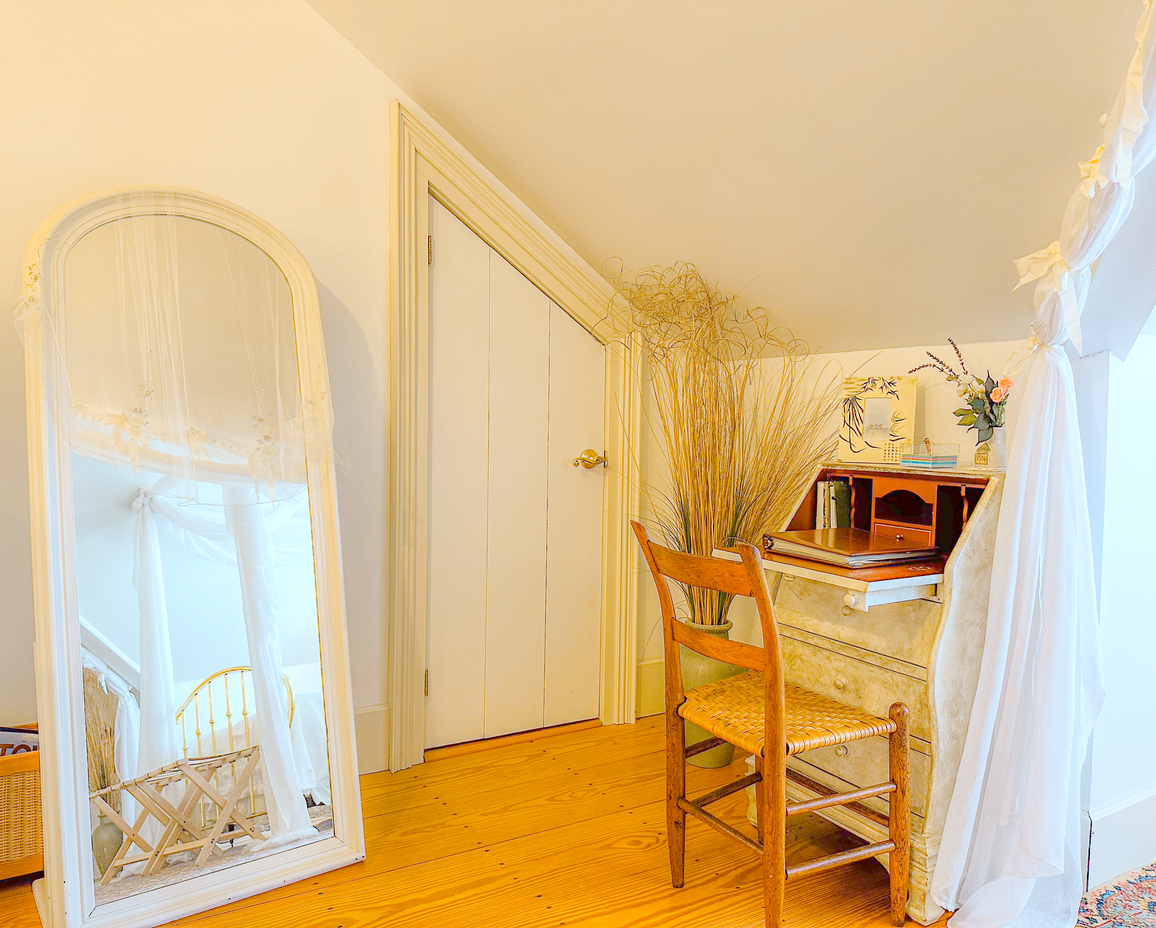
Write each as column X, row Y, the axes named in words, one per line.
column 935, row 400
column 261, row 103
column 1122, row 800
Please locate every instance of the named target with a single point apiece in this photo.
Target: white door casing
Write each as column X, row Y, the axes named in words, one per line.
column 426, row 163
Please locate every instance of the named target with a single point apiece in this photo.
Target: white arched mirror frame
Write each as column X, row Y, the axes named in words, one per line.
column 65, row 897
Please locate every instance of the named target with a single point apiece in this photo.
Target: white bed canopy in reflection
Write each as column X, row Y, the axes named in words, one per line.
column 183, row 480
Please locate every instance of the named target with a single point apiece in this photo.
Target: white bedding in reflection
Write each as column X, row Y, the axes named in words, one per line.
column 307, row 730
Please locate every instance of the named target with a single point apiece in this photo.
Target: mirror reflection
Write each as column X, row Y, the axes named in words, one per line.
column 195, row 578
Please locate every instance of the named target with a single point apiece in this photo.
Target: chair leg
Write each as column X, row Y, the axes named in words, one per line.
column 759, row 819
column 772, row 791
column 899, row 820
column 675, row 790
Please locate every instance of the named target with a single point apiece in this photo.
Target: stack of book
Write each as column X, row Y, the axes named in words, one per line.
column 846, row 547
column 833, row 504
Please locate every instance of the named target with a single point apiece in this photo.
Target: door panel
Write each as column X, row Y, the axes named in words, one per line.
column 459, row 443
column 574, row 523
column 516, row 393
column 519, row 428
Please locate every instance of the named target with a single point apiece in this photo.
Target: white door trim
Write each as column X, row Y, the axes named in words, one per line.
column 424, row 164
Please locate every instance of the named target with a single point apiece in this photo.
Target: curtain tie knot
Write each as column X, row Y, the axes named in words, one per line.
column 1049, row 263
column 1093, row 180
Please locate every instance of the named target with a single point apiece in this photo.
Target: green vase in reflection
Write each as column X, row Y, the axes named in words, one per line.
column 106, row 841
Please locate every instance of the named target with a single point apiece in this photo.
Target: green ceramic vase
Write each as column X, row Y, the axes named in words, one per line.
column 697, row 670
column 106, row 841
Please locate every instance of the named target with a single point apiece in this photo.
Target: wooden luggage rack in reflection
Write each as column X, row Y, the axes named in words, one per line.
column 231, row 690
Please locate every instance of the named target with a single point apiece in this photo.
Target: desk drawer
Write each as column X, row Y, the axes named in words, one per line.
column 908, row 533
column 856, row 683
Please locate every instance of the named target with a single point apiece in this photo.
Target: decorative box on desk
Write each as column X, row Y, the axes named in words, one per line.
column 869, row 639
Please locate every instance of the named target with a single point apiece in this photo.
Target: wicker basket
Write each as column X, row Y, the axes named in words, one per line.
column 21, row 831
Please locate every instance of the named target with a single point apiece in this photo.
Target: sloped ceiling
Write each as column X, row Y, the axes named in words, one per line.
column 866, row 170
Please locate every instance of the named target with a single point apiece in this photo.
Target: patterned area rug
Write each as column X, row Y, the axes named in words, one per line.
column 1130, row 902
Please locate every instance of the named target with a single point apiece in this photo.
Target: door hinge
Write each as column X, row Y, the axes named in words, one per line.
column 427, row 682
column 429, row 246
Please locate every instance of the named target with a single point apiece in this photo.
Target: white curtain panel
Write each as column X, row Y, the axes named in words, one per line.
column 238, row 535
column 1010, row 854
column 288, row 815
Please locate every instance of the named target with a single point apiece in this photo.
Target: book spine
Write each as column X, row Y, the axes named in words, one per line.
column 841, row 505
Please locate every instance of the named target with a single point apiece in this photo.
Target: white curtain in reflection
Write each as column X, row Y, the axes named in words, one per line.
column 237, row 534
column 287, row 812
column 158, row 705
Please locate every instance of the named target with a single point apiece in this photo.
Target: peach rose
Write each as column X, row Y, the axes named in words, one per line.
column 998, row 394
column 1006, row 383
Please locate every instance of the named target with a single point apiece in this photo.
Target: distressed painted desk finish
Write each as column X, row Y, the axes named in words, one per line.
column 923, row 652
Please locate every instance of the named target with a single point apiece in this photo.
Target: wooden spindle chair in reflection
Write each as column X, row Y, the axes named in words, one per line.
column 759, row 712
column 230, row 690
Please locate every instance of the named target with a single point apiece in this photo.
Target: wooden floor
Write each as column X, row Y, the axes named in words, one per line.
column 566, row 830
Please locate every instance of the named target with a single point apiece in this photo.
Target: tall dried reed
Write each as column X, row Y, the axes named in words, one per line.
column 100, row 735
column 742, row 413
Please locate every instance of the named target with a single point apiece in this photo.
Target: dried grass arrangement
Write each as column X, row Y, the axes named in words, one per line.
column 100, row 735
column 742, row 412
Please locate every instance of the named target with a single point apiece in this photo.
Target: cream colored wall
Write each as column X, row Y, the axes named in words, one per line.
column 933, row 419
column 261, row 103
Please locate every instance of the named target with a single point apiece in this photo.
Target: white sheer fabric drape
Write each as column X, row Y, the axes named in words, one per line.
column 236, row 534
column 1010, row 854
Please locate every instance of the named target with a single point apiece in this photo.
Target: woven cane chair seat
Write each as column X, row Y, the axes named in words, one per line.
column 732, row 709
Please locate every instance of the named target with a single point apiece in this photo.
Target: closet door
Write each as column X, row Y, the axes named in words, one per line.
column 516, row 393
column 519, row 434
column 458, row 462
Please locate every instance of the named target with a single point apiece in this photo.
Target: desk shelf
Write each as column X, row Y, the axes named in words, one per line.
column 865, row 586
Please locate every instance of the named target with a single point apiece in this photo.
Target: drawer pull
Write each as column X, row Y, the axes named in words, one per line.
column 841, row 750
column 840, row 683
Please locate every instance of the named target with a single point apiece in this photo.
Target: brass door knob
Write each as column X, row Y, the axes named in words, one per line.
column 589, row 458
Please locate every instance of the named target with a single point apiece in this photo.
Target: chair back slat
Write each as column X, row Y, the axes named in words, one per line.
column 708, row 573
column 720, row 649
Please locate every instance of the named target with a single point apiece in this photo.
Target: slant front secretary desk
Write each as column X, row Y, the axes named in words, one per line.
column 913, row 632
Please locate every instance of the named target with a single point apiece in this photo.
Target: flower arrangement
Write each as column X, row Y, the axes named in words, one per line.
column 986, row 399
column 741, row 412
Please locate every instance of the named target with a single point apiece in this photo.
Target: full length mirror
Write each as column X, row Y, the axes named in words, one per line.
column 191, row 647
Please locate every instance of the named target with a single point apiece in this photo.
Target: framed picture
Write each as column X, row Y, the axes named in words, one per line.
column 878, row 417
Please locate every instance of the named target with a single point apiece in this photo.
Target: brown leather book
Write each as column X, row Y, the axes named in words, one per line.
column 847, row 547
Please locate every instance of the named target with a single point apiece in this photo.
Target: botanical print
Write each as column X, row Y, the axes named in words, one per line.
column 863, row 434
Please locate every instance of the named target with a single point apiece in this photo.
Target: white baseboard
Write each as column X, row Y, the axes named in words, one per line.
column 371, row 724
column 650, row 692
column 1123, row 839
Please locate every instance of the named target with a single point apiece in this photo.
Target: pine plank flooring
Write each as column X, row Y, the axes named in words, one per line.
column 565, row 830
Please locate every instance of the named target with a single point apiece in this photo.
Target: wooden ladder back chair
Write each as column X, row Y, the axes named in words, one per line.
column 759, row 712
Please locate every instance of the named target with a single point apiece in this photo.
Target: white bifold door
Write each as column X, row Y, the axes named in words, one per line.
column 515, row 529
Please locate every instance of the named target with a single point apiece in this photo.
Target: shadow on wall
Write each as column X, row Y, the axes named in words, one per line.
column 18, row 682
column 359, row 443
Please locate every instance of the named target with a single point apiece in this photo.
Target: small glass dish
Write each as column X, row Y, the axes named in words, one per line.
column 928, row 455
